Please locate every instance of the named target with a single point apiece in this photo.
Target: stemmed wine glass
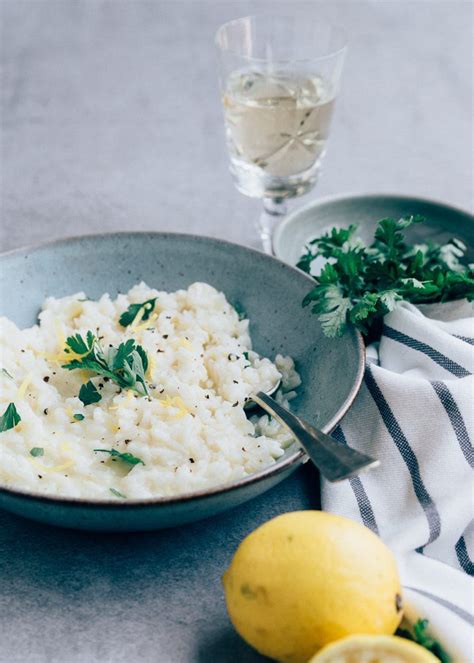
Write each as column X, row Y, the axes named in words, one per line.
column 279, row 78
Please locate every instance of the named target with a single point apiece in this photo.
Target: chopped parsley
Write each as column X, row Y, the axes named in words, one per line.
column 10, row 418
column 127, row 457
column 360, row 284
column 5, row 372
column 88, row 394
column 239, row 309
column 134, row 309
column 117, row 493
column 78, row 417
column 37, row 451
column 126, row 364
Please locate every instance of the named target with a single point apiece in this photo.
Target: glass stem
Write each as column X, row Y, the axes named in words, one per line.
column 274, row 209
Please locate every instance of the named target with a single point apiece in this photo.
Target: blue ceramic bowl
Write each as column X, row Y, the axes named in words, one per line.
column 271, row 293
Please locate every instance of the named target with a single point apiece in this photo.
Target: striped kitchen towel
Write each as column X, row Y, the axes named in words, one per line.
column 415, row 412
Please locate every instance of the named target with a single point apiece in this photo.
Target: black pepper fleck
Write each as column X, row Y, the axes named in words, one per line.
column 191, row 460
column 45, row 411
column 46, row 378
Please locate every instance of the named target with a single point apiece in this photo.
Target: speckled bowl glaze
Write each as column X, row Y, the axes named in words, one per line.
column 271, row 293
column 442, row 221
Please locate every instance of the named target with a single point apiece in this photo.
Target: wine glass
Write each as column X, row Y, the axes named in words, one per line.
column 279, row 77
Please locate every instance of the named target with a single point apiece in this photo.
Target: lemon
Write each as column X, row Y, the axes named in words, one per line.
column 307, row 578
column 374, row 649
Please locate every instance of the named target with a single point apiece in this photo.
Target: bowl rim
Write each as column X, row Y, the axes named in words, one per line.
column 355, row 195
column 281, row 465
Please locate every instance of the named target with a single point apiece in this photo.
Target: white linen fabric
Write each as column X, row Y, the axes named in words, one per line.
column 415, row 412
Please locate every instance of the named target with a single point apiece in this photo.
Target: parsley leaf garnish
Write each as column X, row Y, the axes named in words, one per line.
column 10, row 418
column 37, row 451
column 78, row 417
column 360, row 284
column 421, row 637
column 117, row 493
column 127, row 457
column 239, row 309
column 134, row 309
column 88, row 394
column 126, row 365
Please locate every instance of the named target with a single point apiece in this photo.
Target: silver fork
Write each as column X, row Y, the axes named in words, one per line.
column 334, row 460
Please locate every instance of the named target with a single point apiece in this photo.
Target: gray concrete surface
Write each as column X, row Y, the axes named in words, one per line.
column 110, row 119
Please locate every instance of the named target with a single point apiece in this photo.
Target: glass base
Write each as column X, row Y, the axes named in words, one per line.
column 254, row 182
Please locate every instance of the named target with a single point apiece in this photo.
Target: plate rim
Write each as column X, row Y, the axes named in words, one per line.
column 355, row 195
column 275, row 469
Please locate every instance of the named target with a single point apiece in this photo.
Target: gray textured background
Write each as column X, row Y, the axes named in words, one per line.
column 110, row 120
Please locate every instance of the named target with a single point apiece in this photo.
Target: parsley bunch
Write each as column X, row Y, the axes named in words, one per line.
column 126, row 365
column 360, row 284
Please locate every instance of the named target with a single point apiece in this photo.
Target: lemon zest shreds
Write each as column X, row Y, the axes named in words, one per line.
column 54, row 468
column 175, row 402
column 24, row 385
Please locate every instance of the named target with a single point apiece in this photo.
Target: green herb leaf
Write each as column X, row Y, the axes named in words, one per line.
column 117, row 493
column 79, row 417
column 126, row 365
column 134, row 309
column 37, row 451
column 360, row 284
column 421, row 637
column 9, row 419
column 239, row 309
column 5, row 372
column 80, row 346
column 127, row 457
column 88, row 394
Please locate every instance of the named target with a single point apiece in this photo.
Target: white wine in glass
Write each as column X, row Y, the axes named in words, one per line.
column 277, row 111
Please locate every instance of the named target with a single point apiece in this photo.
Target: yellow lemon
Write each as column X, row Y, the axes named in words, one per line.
column 305, row 579
column 374, row 648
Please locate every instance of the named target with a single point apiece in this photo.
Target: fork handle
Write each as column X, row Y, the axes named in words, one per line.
column 334, row 460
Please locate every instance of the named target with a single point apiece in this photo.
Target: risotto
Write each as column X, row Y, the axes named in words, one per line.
column 135, row 397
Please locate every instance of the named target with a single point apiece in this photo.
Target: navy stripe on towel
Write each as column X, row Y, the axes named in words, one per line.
column 460, row 612
column 411, row 461
column 363, row 502
column 447, row 363
column 466, row 339
column 456, row 418
column 463, row 556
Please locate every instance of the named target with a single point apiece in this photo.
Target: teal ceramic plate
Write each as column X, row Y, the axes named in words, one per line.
column 270, row 292
column 443, row 221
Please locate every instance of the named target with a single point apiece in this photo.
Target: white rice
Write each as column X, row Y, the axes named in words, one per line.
column 191, row 434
